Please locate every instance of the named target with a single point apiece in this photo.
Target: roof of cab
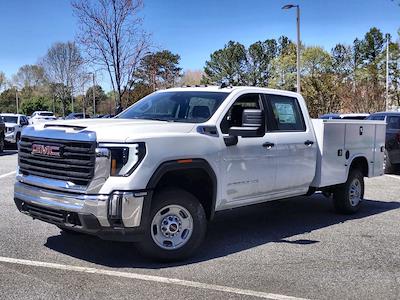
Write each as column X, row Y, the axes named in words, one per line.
column 229, row 89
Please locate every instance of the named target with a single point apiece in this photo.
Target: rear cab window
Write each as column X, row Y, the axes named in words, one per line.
column 284, row 114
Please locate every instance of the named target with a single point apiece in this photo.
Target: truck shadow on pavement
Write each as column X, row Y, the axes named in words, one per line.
column 230, row 232
column 8, row 152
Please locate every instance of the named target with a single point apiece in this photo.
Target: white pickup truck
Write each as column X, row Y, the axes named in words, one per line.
column 158, row 172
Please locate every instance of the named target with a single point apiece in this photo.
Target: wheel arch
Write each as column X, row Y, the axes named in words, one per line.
column 193, row 175
column 359, row 162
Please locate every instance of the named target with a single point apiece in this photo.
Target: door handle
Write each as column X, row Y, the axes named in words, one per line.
column 308, row 143
column 268, row 145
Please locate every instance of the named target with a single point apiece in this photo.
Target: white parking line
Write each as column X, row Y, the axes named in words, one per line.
column 7, row 174
column 159, row 279
column 394, row 176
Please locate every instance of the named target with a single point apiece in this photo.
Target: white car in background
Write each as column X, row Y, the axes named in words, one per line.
column 14, row 123
column 42, row 116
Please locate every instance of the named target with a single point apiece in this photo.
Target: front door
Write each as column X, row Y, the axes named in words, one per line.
column 248, row 168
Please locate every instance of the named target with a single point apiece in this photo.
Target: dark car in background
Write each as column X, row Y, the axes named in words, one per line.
column 73, row 116
column 2, row 134
column 353, row 116
column 392, row 144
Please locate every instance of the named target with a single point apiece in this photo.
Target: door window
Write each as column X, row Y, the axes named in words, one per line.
column 234, row 116
column 285, row 114
column 393, row 123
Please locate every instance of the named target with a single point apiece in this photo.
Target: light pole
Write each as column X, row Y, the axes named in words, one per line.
column 289, row 6
column 387, row 71
column 17, row 100
column 94, row 95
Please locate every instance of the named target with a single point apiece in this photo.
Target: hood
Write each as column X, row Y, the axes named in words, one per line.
column 10, row 124
column 117, row 130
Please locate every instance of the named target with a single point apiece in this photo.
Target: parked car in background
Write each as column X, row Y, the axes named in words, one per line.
column 42, row 116
column 392, row 145
column 14, row 123
column 73, row 116
column 359, row 116
column 2, row 133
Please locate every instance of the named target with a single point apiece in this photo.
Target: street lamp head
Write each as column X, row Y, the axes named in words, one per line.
column 289, row 6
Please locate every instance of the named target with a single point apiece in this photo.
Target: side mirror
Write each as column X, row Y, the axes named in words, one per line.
column 253, row 124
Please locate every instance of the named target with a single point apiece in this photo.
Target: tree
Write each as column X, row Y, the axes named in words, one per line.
column 3, row 80
column 228, row 64
column 259, row 62
column 35, row 104
column 159, row 70
column 192, row 77
column 63, row 66
column 111, row 36
column 8, row 101
column 99, row 96
column 29, row 76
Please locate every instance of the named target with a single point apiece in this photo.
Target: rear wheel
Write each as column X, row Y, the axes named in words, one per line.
column 1, row 143
column 387, row 164
column 176, row 226
column 347, row 197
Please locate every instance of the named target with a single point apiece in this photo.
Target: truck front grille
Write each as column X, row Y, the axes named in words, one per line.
column 75, row 164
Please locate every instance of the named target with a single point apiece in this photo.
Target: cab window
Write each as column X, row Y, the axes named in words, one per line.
column 234, row 115
column 285, row 114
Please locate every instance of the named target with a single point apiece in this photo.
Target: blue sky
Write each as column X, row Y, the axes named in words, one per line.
column 194, row 29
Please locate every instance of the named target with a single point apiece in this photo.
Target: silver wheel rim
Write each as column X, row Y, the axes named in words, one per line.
column 355, row 192
column 172, row 227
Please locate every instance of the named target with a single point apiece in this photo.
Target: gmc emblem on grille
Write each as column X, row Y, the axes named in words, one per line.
column 46, row 150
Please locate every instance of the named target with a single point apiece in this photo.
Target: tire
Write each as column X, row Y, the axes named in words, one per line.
column 2, row 144
column 388, row 167
column 347, row 197
column 184, row 227
column 17, row 139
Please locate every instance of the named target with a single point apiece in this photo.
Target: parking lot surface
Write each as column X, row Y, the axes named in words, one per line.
column 297, row 248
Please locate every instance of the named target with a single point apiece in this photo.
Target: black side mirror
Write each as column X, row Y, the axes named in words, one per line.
column 253, row 124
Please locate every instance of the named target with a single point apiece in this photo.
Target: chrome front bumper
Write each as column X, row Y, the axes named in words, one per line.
column 10, row 137
column 117, row 213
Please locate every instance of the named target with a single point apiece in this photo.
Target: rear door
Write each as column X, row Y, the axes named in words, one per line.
column 393, row 138
column 295, row 144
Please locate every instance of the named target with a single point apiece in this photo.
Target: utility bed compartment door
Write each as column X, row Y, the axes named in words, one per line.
column 340, row 141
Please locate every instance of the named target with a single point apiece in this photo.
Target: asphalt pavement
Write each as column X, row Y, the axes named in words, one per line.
column 296, row 248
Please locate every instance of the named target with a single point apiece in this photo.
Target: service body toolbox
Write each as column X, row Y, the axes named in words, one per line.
column 340, row 142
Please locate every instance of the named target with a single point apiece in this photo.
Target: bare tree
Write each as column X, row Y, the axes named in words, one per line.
column 29, row 76
column 111, row 35
column 63, row 65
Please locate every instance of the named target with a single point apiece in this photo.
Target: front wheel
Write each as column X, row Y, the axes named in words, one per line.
column 1, row 143
column 347, row 197
column 176, row 226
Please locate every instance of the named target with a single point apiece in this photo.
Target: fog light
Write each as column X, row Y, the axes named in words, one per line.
column 115, row 206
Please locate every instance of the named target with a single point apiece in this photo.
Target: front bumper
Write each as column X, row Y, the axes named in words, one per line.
column 10, row 137
column 91, row 214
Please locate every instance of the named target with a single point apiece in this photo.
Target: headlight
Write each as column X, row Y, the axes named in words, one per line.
column 125, row 157
column 10, row 129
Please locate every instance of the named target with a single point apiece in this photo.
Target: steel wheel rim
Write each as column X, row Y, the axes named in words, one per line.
column 172, row 227
column 355, row 192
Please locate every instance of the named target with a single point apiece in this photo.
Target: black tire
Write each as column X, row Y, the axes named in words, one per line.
column 2, row 144
column 388, row 167
column 342, row 200
column 178, row 197
column 17, row 139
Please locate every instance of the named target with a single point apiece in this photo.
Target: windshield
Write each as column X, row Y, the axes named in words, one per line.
column 46, row 114
column 191, row 107
column 9, row 119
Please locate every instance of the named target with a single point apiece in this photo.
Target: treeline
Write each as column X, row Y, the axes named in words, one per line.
column 111, row 46
column 349, row 78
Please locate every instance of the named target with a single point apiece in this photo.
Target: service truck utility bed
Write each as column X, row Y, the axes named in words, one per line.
column 340, row 141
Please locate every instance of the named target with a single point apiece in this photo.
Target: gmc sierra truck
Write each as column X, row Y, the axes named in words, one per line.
column 160, row 170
